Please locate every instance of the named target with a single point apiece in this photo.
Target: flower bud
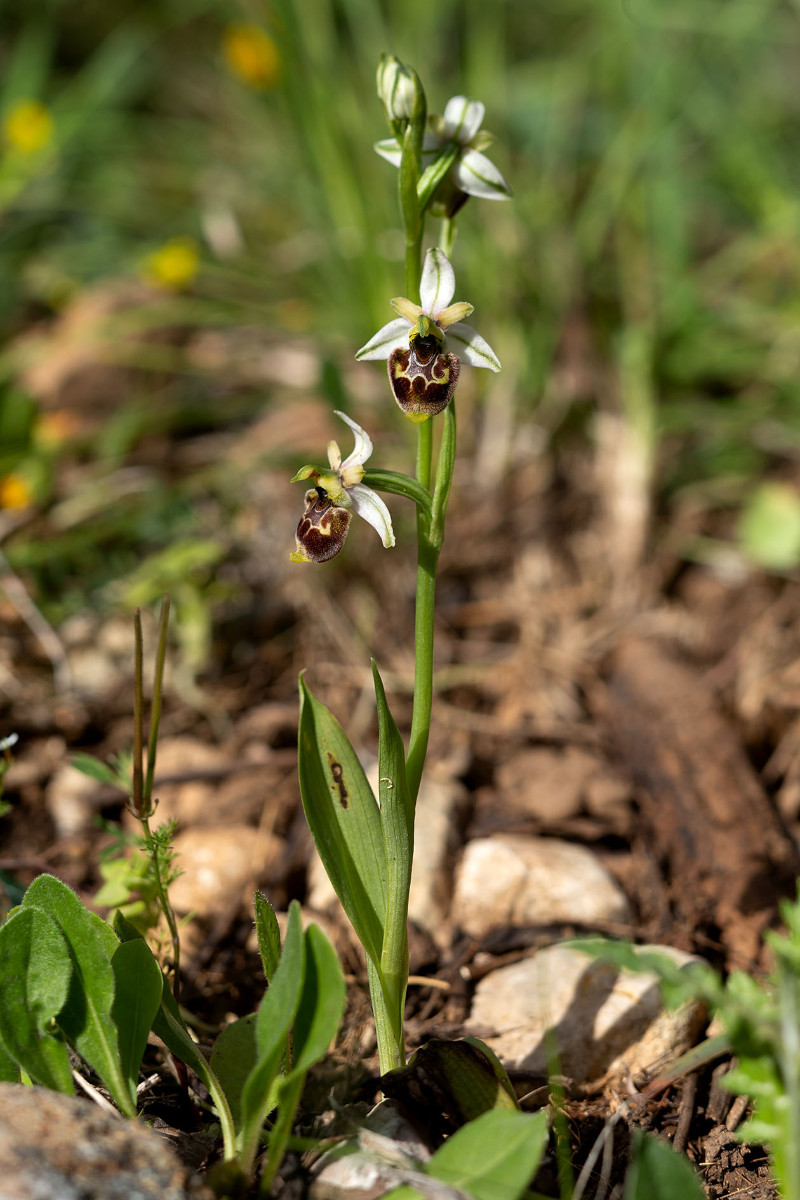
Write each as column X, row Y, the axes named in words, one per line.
column 322, row 528
column 400, row 92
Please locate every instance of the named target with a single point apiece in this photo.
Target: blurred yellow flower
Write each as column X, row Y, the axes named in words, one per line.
column 252, row 55
column 174, row 265
column 15, row 492
column 27, row 126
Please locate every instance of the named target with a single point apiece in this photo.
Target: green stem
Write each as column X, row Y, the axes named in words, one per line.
column 391, row 1051
column 289, row 1098
column 447, row 236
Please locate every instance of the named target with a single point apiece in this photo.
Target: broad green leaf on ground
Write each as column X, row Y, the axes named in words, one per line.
column 138, row 984
column 344, row 820
column 657, row 1172
column 494, row 1157
column 232, row 1061
column 268, row 934
column 321, row 1004
column 35, row 974
column 86, row 1016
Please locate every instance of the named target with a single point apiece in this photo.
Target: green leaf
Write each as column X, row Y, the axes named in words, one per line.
column 9, row 1071
column 268, row 934
column 397, row 824
column 95, row 768
column 493, row 1157
column 657, row 1172
column 344, row 820
column 321, row 1003
column 138, row 985
column 769, row 527
column 86, row 1017
column 232, row 1061
column 273, row 1022
column 35, row 969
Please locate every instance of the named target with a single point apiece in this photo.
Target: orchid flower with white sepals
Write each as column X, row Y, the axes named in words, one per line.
column 324, row 524
column 472, row 171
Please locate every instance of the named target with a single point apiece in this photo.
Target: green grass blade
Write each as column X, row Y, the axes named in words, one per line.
column 35, row 972
column 344, row 820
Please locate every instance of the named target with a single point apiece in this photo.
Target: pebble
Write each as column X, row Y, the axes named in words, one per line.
column 606, row 1022
column 55, row 1147
column 517, row 880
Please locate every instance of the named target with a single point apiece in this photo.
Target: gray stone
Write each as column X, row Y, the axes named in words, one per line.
column 604, row 1022
column 517, row 880
column 55, row 1147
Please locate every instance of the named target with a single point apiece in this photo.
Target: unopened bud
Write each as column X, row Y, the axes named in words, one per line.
column 400, row 91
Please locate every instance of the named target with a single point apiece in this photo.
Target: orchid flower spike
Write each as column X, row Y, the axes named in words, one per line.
column 422, row 373
column 472, row 174
column 324, row 524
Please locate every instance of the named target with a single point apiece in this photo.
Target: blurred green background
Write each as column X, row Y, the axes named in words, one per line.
column 186, row 184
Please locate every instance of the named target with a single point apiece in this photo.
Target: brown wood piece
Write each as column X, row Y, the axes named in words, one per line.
column 726, row 856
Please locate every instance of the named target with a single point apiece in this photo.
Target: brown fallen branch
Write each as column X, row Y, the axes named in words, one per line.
column 727, row 858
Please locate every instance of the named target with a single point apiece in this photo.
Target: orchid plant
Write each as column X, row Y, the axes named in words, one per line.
column 366, row 841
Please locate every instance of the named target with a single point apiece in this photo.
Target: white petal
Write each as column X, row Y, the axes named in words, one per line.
column 363, row 447
column 468, row 345
column 462, row 118
column 389, row 149
column 393, row 336
column 438, row 283
column 369, row 505
column 334, row 456
column 477, row 176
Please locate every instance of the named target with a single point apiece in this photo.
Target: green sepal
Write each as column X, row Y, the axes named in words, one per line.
column 344, row 820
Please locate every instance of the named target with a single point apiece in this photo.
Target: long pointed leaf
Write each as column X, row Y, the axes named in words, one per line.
column 321, row 1004
column 344, row 820
column 273, row 1022
column 138, row 984
column 493, row 1157
column 397, row 825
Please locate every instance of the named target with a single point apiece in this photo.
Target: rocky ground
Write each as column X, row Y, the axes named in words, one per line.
column 615, row 748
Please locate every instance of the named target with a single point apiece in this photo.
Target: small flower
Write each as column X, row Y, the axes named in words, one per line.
column 15, row 492
column 27, row 126
column 324, row 524
column 422, row 374
column 472, row 174
column 174, row 265
column 252, row 55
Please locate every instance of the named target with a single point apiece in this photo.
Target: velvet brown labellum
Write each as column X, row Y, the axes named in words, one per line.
column 322, row 528
column 423, row 378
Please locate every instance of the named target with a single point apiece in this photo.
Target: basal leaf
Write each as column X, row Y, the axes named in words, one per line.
column 344, row 820
column 35, row 974
column 493, row 1157
column 137, row 996
column 86, row 1017
column 268, row 934
column 397, row 825
column 232, row 1061
column 274, row 1019
column 321, row 1004
column 656, row 1172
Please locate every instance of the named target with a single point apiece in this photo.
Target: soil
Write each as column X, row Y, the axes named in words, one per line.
column 657, row 696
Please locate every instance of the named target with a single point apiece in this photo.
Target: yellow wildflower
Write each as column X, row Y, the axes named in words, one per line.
column 27, row 126
column 252, row 55
column 15, row 492
column 174, row 265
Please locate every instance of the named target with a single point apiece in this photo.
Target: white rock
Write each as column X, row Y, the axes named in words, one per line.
column 507, row 880
column 604, row 1021
column 217, row 864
